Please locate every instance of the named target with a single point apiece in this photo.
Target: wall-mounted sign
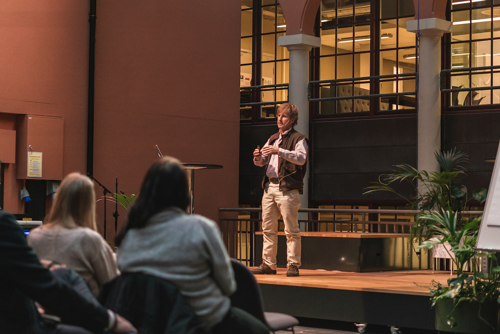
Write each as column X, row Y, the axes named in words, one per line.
column 34, row 164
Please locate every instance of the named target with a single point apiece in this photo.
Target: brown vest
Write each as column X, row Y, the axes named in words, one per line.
column 291, row 175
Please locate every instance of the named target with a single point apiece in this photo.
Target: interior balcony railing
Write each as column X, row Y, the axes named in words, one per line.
column 462, row 79
column 240, row 227
column 349, row 95
column 261, row 101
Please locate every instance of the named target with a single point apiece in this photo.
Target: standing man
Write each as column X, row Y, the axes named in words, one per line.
column 285, row 154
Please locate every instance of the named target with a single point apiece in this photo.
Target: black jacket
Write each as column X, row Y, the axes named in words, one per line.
column 152, row 304
column 24, row 280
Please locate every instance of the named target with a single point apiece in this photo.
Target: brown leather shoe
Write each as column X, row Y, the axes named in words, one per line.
column 292, row 271
column 263, row 269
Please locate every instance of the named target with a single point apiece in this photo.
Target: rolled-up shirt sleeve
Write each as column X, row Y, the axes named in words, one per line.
column 298, row 156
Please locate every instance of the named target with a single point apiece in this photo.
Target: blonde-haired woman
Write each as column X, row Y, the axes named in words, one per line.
column 69, row 234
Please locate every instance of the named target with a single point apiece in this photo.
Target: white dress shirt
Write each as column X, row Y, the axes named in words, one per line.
column 297, row 156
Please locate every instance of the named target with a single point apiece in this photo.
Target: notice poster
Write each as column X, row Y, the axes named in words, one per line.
column 34, row 164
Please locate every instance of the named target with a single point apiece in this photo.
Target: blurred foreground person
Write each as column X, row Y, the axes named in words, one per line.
column 23, row 280
column 69, row 236
column 160, row 239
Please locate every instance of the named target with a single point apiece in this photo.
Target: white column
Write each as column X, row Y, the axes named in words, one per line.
column 299, row 47
column 429, row 95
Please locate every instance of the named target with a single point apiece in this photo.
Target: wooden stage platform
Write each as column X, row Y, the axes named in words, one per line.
column 397, row 298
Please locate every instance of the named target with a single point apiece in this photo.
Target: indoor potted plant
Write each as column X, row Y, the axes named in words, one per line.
column 469, row 302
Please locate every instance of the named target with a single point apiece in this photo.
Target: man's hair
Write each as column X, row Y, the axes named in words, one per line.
column 292, row 109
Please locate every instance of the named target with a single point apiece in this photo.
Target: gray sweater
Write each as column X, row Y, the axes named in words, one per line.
column 188, row 251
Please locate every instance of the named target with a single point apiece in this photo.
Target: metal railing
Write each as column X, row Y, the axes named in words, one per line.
column 262, row 89
column 465, row 69
column 239, row 226
column 367, row 79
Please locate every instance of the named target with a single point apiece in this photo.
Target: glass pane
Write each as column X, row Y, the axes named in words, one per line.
column 387, row 62
column 345, row 12
column 362, row 11
column 388, row 9
column 362, row 38
column 362, row 65
column 282, row 72
column 406, row 38
column 477, row 97
column 268, row 47
column 459, row 81
column 388, row 33
column 328, row 12
column 406, row 8
column 268, row 19
column 246, row 50
column 496, row 22
column 496, row 54
column 281, row 24
column 481, row 53
column 246, row 4
column 281, row 51
column 460, row 55
column 246, row 76
column 407, row 58
column 344, row 67
column 461, row 26
column 407, row 101
column 361, row 105
column 268, row 2
column 328, row 38
column 481, row 23
column 327, row 68
column 246, row 23
column 345, row 41
column 480, row 3
column 268, row 70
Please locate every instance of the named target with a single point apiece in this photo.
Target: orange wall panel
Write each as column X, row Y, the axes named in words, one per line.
column 41, row 134
column 7, row 146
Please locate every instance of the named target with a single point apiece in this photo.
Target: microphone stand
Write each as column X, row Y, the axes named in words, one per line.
column 106, row 191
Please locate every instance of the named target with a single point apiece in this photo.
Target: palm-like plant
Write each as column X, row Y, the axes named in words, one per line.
column 122, row 199
column 474, row 286
column 442, row 189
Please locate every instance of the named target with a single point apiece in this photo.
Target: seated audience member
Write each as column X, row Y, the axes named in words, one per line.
column 23, row 280
column 69, row 235
column 160, row 239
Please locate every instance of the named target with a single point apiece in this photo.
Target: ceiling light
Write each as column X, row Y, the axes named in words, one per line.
column 464, row 2
column 281, row 26
column 410, row 56
column 457, row 66
column 361, row 38
column 488, row 55
column 476, row 21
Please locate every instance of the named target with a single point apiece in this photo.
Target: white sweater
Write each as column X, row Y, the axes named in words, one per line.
column 80, row 249
column 188, row 251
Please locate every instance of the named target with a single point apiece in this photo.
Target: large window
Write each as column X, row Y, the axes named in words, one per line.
column 474, row 42
column 365, row 50
column 263, row 61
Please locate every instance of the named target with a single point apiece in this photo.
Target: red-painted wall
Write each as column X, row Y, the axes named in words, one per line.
column 166, row 74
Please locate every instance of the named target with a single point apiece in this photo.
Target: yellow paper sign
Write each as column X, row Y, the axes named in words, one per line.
column 34, row 164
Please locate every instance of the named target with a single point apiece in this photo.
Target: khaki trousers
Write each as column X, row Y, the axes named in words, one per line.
column 287, row 203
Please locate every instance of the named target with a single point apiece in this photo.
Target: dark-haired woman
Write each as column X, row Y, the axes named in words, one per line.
column 160, row 239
